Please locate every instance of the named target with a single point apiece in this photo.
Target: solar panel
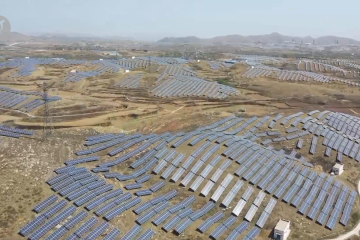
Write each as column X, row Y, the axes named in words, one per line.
column 253, row 233
column 239, row 207
column 161, row 218
column 75, row 220
column 132, row 233
column 157, row 186
column 97, row 231
column 183, row 225
column 52, row 223
column 148, row 234
column 170, row 224
column 217, row 194
column 205, row 191
column 270, row 206
column 251, row 213
column 57, row 234
column 113, row 234
column 54, row 209
column 262, row 219
column 247, row 193
column 85, row 227
column 29, row 227
column 216, row 234
column 44, row 204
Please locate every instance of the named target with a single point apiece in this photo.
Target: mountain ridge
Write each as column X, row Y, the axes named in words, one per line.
column 266, row 38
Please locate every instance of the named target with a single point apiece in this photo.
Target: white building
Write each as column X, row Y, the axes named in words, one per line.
column 282, row 230
column 338, row 168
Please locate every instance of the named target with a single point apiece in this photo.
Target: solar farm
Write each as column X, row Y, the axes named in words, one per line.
column 170, row 148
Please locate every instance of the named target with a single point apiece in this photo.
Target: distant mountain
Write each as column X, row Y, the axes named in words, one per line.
column 267, row 38
column 181, row 40
column 15, row 37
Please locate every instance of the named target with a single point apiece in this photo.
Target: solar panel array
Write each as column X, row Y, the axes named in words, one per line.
column 219, row 65
column 187, row 86
column 281, row 175
column 132, row 81
column 22, row 100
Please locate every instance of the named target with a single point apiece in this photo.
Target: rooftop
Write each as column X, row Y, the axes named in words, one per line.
column 282, row 225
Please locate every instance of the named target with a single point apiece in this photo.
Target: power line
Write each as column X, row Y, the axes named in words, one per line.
column 47, row 127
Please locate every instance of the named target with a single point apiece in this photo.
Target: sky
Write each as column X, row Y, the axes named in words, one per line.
column 154, row 19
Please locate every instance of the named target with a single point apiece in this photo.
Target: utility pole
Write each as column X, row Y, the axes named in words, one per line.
column 47, row 127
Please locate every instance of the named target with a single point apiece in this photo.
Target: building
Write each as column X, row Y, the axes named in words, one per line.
column 282, row 230
column 231, row 61
column 338, row 168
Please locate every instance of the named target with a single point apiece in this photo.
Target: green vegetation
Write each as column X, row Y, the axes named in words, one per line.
column 224, row 81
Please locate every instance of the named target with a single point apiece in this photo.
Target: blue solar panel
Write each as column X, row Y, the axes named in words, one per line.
column 54, row 209
column 77, row 194
column 171, row 223
column 44, row 204
column 161, row 218
column 113, row 234
column 86, row 227
column 216, row 234
column 75, row 220
column 97, row 231
column 52, row 223
column 146, row 216
column 148, row 234
column 57, row 234
column 29, row 227
column 132, row 233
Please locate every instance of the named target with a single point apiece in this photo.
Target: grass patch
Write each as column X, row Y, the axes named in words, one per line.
column 224, row 81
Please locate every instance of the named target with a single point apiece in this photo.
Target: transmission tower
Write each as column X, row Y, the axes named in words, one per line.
column 48, row 127
column 149, row 64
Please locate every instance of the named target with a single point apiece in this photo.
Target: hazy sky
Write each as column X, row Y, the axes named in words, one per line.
column 154, row 19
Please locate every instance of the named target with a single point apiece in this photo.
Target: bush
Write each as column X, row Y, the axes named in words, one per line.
column 355, row 217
